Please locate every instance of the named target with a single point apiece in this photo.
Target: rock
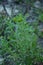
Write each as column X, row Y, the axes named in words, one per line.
column 40, row 27
column 18, row 9
column 1, row 8
column 9, row 1
column 9, row 61
column 15, row 9
column 40, row 42
column 8, row 9
column 23, row 8
column 37, row 4
column 31, row 18
column 1, row 59
column 41, row 1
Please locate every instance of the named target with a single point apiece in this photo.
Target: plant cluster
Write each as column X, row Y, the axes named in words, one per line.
column 18, row 42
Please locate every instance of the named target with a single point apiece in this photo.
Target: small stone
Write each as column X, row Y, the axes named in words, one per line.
column 8, row 9
column 9, row 1
column 1, row 59
column 37, row 4
column 1, row 8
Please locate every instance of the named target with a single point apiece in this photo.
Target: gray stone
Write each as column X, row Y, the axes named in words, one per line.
column 15, row 9
column 40, row 27
column 23, row 8
column 1, row 8
column 1, row 59
column 8, row 9
column 9, row 1
column 18, row 9
column 40, row 42
column 37, row 4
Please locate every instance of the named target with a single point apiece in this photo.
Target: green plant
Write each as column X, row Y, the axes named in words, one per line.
column 18, row 18
column 19, row 42
column 41, row 17
column 26, row 41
